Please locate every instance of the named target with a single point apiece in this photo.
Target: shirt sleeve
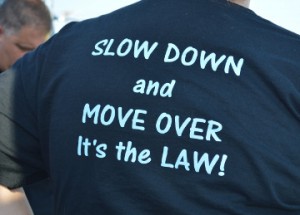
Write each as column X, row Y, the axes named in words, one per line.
column 21, row 161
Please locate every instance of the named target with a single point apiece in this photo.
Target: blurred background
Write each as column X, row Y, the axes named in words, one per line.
column 285, row 13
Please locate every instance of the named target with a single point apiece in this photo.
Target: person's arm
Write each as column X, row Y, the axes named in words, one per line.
column 21, row 159
column 14, row 202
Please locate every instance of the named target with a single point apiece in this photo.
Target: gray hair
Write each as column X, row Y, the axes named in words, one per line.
column 15, row 14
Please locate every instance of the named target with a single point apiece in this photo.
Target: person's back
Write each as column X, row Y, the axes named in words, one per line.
column 169, row 107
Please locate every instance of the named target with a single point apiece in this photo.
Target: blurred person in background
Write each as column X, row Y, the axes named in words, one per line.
column 24, row 25
column 162, row 107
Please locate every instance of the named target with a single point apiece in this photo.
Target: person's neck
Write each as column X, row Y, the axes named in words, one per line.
column 244, row 3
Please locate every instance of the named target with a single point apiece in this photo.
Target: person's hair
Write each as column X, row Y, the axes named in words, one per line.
column 15, row 14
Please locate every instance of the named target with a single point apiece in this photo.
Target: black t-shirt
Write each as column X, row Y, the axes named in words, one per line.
column 40, row 197
column 162, row 107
